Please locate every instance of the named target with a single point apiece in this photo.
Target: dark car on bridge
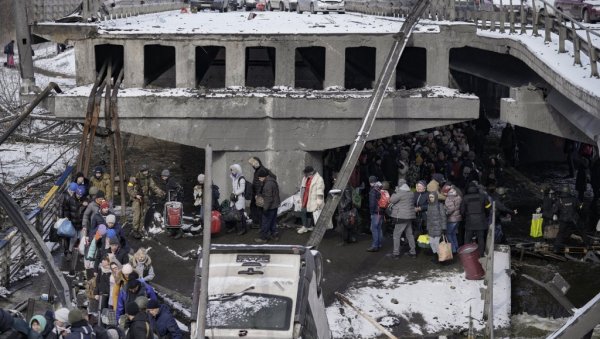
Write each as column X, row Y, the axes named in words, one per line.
column 584, row 10
column 220, row 5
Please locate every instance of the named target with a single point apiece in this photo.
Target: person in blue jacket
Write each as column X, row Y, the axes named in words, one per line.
column 135, row 288
column 162, row 321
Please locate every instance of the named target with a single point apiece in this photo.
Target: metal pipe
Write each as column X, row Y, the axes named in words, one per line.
column 400, row 41
column 29, row 109
column 207, row 201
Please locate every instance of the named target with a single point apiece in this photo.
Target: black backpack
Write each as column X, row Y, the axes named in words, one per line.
column 247, row 188
column 6, row 49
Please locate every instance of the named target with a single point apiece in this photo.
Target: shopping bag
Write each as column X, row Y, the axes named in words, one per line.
column 423, row 241
column 316, row 215
column 536, row 225
column 81, row 246
column 444, row 250
column 66, row 229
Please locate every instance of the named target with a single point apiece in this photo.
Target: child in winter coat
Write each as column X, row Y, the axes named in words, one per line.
column 436, row 221
column 142, row 264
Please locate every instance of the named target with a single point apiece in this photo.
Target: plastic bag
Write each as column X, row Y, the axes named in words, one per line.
column 536, row 225
column 423, row 241
column 91, row 254
column 81, row 246
column 66, row 229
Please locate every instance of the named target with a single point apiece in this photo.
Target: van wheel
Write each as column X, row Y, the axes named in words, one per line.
column 325, row 12
column 312, row 9
column 341, row 12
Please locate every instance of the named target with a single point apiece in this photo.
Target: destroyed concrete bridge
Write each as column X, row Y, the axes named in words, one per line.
column 285, row 86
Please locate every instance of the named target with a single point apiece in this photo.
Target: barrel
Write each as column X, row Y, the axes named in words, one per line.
column 469, row 257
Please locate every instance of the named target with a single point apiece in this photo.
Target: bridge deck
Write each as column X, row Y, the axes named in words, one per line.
column 174, row 22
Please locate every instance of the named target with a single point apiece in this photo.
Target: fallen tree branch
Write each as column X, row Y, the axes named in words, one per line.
column 40, row 172
column 344, row 300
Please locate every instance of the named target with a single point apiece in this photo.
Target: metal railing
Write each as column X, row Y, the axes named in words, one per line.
column 512, row 17
column 147, row 8
column 15, row 252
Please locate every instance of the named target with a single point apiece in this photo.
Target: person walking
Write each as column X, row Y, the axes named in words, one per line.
column 403, row 215
column 566, row 210
column 137, row 324
column 474, row 208
column 268, row 199
column 9, row 50
column 347, row 213
column 256, row 211
column 80, row 328
column 312, row 190
column 135, row 289
column 420, row 204
column 376, row 217
column 238, row 200
column 436, row 222
column 92, row 208
column 139, row 189
column 142, row 264
column 452, row 204
column 70, row 210
column 103, row 182
column 162, row 321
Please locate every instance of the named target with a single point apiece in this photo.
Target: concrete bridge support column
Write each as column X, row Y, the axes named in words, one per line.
column 133, row 64
column 235, row 64
column 438, row 65
column 185, row 66
column 84, row 54
column 287, row 165
column 335, row 63
column 284, row 61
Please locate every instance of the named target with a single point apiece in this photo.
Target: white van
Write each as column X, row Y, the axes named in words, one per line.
column 265, row 291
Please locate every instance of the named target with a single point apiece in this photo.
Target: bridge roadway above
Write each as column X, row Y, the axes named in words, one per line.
column 286, row 86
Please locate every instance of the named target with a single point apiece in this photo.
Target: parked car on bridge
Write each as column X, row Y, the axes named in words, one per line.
column 324, row 6
column 584, row 10
column 540, row 8
column 220, row 5
column 283, row 5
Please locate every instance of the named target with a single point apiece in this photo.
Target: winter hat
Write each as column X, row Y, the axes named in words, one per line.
column 98, row 169
column 165, row 173
column 372, row 179
column 104, row 205
column 99, row 194
column 133, row 284
column 62, row 315
column 113, row 241
column 132, row 308
column 127, row 269
column 438, row 177
column 401, row 182
column 141, row 254
column 142, row 302
column 93, row 191
column 80, row 191
column 73, row 187
column 262, row 172
column 111, row 218
column 101, row 230
column 75, row 315
column 110, row 233
column 6, row 320
column 200, row 178
column 152, row 304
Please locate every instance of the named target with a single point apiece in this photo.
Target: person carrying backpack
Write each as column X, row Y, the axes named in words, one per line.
column 80, row 328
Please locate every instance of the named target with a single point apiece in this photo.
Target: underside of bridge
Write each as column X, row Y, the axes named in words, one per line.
column 512, row 91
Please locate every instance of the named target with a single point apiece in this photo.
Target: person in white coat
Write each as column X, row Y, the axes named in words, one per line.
column 237, row 199
column 312, row 197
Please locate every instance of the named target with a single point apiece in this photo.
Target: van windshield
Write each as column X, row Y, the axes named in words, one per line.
column 250, row 311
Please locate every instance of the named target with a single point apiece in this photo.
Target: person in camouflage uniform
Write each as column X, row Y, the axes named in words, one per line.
column 103, row 182
column 139, row 189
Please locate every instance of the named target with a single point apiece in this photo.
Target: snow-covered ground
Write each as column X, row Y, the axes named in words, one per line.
column 174, row 22
column 20, row 160
column 432, row 302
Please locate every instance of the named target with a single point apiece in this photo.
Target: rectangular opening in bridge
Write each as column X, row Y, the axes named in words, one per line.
column 260, row 67
column 210, row 66
column 159, row 66
column 411, row 71
column 112, row 53
column 359, row 72
column 309, row 67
